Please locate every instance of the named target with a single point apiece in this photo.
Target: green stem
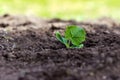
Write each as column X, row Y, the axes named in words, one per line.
column 67, row 44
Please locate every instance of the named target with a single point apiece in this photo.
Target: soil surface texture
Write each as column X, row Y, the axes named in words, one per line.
column 29, row 50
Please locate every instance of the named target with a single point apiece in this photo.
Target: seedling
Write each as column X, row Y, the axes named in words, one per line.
column 74, row 37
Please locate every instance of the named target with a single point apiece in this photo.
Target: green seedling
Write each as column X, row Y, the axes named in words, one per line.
column 74, row 37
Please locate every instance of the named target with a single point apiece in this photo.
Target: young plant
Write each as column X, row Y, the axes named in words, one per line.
column 74, row 37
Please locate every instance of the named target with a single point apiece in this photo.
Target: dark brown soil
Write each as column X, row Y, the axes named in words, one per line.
column 30, row 51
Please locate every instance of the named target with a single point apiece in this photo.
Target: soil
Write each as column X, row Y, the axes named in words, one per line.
column 30, row 51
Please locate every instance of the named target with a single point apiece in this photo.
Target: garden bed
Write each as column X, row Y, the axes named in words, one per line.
column 29, row 50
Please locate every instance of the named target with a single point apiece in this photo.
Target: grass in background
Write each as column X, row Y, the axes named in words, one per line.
column 65, row 9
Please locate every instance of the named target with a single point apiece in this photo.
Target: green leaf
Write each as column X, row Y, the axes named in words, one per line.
column 75, row 34
column 60, row 38
column 79, row 46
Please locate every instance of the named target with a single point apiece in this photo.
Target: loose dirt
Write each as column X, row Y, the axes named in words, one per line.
column 30, row 51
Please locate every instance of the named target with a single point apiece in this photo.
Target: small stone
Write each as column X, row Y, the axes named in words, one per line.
column 91, row 74
column 104, row 77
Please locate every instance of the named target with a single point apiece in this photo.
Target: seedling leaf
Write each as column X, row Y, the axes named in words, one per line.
column 75, row 34
column 60, row 38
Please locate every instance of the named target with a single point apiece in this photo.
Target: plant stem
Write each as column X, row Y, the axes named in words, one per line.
column 67, row 44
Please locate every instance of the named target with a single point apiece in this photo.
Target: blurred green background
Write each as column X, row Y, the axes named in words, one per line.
column 65, row 9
